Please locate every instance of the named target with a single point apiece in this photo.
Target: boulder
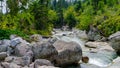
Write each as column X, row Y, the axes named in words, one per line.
column 42, row 62
column 9, row 59
column 80, row 34
column 26, row 60
column 99, row 46
column 31, row 65
column 94, row 34
column 44, row 51
column 36, row 38
column 22, row 49
column 91, row 44
column 115, row 41
column 13, row 65
column 52, row 40
column 3, row 55
column 12, row 36
column 85, row 59
column 18, row 61
column 10, row 65
column 68, row 53
column 22, row 61
column 1, row 66
column 4, row 44
column 3, row 48
column 14, row 42
column 5, row 64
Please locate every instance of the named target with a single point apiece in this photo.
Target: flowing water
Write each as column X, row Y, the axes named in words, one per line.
column 102, row 58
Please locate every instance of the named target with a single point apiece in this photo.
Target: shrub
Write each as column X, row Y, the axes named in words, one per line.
column 4, row 34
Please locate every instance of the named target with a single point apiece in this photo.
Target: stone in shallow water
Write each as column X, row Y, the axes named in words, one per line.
column 91, row 44
column 85, row 59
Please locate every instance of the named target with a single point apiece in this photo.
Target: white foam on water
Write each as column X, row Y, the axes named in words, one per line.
column 98, row 62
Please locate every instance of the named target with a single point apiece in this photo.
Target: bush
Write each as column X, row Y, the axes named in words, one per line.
column 70, row 17
column 85, row 19
column 110, row 25
column 4, row 34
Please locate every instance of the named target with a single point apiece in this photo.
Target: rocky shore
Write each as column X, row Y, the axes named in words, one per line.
column 65, row 49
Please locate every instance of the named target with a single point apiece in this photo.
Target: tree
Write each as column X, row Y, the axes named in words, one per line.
column 14, row 5
column 53, row 17
column 69, row 16
column 78, row 5
column 1, row 6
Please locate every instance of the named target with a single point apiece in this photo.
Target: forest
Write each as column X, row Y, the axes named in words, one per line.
column 27, row 17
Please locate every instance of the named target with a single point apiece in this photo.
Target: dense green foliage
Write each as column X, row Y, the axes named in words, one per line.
column 41, row 16
column 5, row 34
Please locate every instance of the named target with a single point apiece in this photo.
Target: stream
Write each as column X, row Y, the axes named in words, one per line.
column 100, row 59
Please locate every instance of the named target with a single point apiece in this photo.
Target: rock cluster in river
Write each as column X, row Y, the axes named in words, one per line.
column 63, row 49
column 96, row 51
column 40, row 53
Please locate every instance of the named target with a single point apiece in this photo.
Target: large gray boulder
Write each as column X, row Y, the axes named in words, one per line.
column 18, row 47
column 22, row 49
column 44, row 51
column 115, row 41
column 68, row 53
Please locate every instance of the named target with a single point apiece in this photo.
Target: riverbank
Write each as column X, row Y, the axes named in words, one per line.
column 62, row 49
